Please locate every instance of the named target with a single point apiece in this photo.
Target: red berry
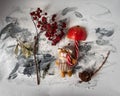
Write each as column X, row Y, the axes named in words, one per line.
column 53, row 43
column 61, row 35
column 45, row 13
column 32, row 13
column 53, row 17
column 34, row 18
column 41, row 28
column 63, row 24
column 55, row 23
column 45, row 26
column 39, row 22
column 57, row 39
column 38, row 26
column 38, row 14
column 49, row 38
column 46, row 34
column 44, row 19
column 54, row 30
column 38, row 9
column 48, row 27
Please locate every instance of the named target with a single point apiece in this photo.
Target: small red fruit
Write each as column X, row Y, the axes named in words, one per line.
column 34, row 18
column 38, row 26
column 44, row 19
column 45, row 13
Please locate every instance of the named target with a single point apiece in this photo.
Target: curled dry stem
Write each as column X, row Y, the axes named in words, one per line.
column 87, row 74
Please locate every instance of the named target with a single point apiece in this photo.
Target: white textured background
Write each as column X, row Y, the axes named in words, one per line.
column 109, row 83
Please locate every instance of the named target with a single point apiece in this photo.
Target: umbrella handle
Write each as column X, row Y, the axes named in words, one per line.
column 76, row 49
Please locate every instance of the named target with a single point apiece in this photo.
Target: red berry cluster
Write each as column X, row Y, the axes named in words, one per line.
column 54, row 30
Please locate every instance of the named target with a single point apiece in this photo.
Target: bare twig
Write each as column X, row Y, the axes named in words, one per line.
column 87, row 74
column 36, row 38
column 103, row 62
column 34, row 25
column 35, row 59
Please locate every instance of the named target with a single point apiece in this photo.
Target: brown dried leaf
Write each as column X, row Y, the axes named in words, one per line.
column 16, row 50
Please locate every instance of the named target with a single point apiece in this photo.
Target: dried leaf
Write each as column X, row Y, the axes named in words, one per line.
column 16, row 49
column 78, row 14
column 23, row 50
column 68, row 9
column 28, row 53
column 25, row 47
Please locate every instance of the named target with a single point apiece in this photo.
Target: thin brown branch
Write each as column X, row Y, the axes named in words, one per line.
column 34, row 25
column 35, row 51
column 103, row 62
column 35, row 59
column 87, row 74
column 37, row 71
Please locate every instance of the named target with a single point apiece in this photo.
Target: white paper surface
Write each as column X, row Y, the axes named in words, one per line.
column 96, row 13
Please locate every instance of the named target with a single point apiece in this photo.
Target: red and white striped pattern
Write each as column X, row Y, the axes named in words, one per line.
column 76, row 48
column 69, row 60
column 63, row 66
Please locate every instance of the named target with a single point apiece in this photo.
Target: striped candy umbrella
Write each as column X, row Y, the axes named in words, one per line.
column 77, row 33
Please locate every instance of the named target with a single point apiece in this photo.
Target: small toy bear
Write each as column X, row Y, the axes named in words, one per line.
column 66, row 60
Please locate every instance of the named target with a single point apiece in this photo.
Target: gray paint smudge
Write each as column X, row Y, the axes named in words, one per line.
column 102, row 42
column 105, row 32
column 101, row 33
column 29, row 66
column 10, row 19
column 85, row 48
column 78, row 14
column 67, row 10
column 13, row 74
column 13, row 30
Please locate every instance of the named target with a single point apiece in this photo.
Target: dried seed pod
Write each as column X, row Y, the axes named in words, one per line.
column 86, row 75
